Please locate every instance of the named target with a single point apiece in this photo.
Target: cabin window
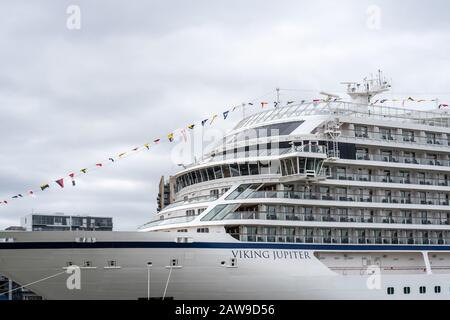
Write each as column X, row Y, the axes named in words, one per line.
column 390, row 291
column 407, row 290
column 112, row 263
column 87, row 264
column 190, row 213
column 423, row 290
column 437, row 289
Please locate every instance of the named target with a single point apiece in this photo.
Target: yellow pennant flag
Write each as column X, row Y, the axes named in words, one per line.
column 213, row 118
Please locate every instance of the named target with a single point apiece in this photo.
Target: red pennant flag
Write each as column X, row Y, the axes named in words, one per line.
column 60, row 182
column 31, row 194
column 157, row 141
column 99, row 165
column 136, row 149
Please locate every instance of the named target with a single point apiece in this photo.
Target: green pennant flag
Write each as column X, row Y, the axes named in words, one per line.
column 45, row 186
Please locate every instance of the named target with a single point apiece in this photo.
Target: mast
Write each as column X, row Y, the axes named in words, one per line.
column 363, row 92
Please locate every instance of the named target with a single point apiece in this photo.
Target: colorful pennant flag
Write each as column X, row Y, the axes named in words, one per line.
column 225, row 115
column 213, row 118
column 290, row 102
column 147, row 145
column 170, row 137
column 72, row 177
column 122, row 154
column 157, row 141
column 111, row 159
column 204, row 122
column 99, row 165
column 136, row 149
column 191, row 126
column 31, row 194
column 45, row 186
column 84, row 170
column 60, row 182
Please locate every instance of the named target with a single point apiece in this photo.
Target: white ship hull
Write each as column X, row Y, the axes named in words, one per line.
column 203, row 271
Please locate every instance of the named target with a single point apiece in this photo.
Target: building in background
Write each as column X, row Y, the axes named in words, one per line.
column 49, row 222
column 61, row 222
column 15, row 228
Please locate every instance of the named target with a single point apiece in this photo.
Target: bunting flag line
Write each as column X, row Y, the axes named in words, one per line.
column 84, row 170
column 170, row 137
column 45, row 186
column 99, row 165
column 442, row 106
column 147, row 145
column 192, row 126
column 157, row 141
column 225, row 115
column 60, row 182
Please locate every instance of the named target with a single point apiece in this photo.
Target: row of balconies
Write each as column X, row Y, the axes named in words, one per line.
column 365, row 218
column 341, row 240
column 403, row 159
column 390, row 179
column 348, row 198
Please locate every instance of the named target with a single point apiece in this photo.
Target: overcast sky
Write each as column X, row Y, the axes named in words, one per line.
column 138, row 69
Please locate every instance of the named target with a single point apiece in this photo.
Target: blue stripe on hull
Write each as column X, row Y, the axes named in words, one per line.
column 214, row 245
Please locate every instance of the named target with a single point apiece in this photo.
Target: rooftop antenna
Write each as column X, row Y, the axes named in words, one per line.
column 278, row 95
column 362, row 93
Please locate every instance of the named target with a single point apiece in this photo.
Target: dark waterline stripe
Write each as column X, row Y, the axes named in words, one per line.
column 213, row 245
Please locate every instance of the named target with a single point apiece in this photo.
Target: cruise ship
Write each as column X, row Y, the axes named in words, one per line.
column 325, row 199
